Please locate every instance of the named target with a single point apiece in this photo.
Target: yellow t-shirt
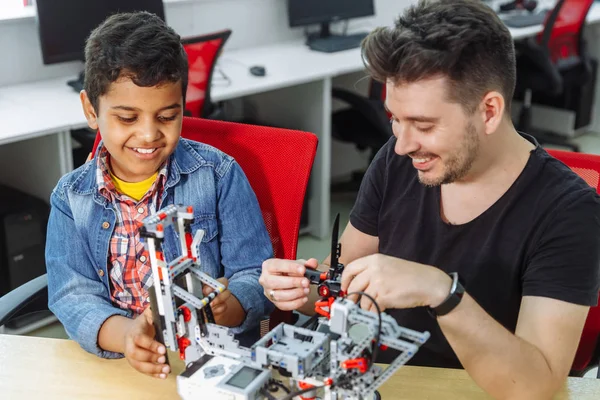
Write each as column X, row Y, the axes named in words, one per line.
column 135, row 190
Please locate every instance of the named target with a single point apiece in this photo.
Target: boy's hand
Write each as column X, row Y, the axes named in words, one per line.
column 226, row 308
column 142, row 351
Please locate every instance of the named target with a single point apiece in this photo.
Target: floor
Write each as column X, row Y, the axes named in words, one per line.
column 310, row 247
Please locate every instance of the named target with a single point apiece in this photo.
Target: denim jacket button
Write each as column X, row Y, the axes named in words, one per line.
column 105, row 225
column 101, row 272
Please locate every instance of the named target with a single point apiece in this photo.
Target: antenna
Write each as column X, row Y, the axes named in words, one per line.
column 336, row 248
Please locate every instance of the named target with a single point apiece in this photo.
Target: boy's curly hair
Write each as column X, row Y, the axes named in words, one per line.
column 137, row 45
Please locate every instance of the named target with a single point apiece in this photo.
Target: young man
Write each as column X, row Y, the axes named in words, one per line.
column 458, row 190
column 98, row 269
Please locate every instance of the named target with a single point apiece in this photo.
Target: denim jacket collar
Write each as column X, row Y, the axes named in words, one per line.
column 184, row 160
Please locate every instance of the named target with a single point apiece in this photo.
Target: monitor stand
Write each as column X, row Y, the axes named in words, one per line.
column 325, row 41
column 77, row 84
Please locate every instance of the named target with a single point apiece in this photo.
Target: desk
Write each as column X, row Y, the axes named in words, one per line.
column 32, row 368
column 295, row 93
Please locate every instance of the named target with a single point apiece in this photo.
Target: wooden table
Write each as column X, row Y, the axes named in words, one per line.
column 41, row 368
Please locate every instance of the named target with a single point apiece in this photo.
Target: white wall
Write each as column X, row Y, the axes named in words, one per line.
column 254, row 23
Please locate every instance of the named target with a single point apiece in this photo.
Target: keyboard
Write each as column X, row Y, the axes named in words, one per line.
column 525, row 20
column 332, row 44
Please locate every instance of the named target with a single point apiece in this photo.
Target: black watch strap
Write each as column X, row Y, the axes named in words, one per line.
column 454, row 297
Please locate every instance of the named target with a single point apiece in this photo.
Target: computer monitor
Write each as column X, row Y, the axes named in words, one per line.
column 64, row 25
column 324, row 12
column 308, row 12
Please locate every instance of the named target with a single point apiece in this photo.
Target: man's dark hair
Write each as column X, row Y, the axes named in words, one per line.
column 463, row 40
column 139, row 46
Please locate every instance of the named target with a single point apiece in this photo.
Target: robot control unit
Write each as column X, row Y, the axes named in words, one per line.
column 324, row 361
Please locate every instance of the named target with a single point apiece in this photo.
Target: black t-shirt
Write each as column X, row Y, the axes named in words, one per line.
column 541, row 238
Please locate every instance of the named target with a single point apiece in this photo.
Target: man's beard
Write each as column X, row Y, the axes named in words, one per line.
column 458, row 165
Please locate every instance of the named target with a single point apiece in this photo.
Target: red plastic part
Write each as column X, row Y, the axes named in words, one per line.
column 360, row 364
column 183, row 343
column 320, row 305
column 302, row 386
column 188, row 243
column 187, row 314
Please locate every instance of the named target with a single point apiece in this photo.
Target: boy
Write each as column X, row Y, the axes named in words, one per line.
column 98, row 269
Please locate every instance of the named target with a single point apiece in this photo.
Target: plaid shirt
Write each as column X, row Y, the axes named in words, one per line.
column 128, row 261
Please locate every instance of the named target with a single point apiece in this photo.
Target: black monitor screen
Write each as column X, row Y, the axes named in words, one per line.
column 306, row 12
column 64, row 25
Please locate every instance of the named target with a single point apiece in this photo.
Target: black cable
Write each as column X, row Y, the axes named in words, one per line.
column 266, row 394
column 376, row 345
column 224, row 77
column 310, row 321
column 279, row 384
column 290, row 396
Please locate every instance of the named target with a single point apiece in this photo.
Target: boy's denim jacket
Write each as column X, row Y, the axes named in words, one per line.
column 81, row 223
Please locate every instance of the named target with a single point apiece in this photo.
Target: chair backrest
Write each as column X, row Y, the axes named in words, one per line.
column 277, row 163
column 202, row 52
column 377, row 91
column 563, row 29
column 587, row 166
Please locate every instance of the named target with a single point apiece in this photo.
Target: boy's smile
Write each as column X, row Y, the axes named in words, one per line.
column 140, row 126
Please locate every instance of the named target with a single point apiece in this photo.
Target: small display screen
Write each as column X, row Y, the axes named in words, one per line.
column 244, row 377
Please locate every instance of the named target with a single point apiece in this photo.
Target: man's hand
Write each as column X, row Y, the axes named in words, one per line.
column 226, row 308
column 395, row 283
column 284, row 282
column 141, row 350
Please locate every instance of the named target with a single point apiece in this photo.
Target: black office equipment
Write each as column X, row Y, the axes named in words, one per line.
column 528, row 5
column 64, row 26
column 23, row 220
column 333, row 44
column 324, row 12
column 556, row 68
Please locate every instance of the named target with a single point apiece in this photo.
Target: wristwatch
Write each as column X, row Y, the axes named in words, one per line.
column 454, row 297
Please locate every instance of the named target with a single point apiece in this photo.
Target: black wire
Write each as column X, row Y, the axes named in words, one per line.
column 310, row 321
column 224, row 77
column 279, row 384
column 267, row 394
column 376, row 346
column 290, row 396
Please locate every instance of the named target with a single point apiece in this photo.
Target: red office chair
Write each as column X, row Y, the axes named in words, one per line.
column 552, row 62
column 588, row 353
column 202, row 52
column 277, row 163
